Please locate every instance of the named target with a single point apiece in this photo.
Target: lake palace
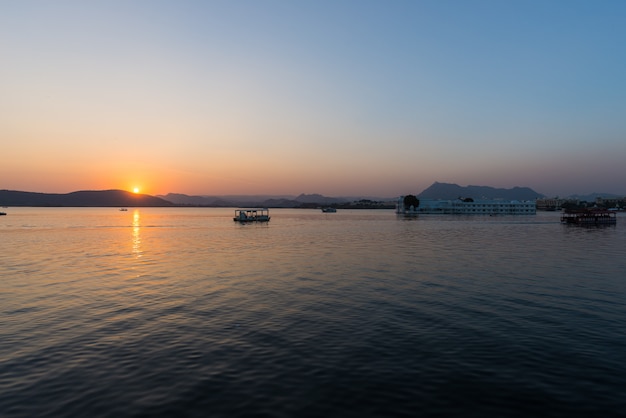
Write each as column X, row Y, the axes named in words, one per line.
column 468, row 207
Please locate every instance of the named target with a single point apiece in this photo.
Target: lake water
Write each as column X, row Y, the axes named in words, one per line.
column 183, row 312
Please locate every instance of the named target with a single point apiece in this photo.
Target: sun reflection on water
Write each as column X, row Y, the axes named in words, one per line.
column 136, row 234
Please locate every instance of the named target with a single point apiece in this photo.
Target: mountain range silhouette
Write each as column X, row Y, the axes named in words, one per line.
column 122, row 198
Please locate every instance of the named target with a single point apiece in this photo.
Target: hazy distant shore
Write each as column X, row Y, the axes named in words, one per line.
column 122, row 198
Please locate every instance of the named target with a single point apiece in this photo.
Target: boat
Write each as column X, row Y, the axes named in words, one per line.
column 123, row 210
column 589, row 217
column 252, row 215
column 2, row 213
column 329, row 210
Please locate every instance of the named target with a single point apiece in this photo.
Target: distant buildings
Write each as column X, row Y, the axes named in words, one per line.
column 550, row 203
column 611, row 203
column 599, row 202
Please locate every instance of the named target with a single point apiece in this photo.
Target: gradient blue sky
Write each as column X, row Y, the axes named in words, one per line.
column 376, row 98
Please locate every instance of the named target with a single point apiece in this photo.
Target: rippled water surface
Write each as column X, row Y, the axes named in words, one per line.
column 182, row 312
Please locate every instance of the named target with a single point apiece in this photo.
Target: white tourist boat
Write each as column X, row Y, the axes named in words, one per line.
column 252, row 215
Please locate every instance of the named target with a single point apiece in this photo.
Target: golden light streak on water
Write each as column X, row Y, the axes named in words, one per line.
column 136, row 234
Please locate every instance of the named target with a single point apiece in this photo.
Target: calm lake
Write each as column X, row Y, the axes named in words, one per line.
column 183, row 312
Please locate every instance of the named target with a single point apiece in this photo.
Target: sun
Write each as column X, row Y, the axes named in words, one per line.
column 136, row 190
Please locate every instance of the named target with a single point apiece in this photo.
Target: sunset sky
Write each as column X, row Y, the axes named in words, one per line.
column 376, row 98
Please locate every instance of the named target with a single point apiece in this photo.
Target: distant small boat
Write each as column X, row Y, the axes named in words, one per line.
column 123, row 209
column 329, row 210
column 2, row 213
column 252, row 215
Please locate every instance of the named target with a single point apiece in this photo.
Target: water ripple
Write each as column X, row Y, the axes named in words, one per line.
column 360, row 314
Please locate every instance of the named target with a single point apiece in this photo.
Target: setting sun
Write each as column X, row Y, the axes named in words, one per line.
column 136, row 190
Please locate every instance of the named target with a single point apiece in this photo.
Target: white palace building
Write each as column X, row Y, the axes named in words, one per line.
column 468, row 207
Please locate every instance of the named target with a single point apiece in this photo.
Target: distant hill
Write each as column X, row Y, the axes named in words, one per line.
column 97, row 198
column 453, row 191
column 229, row 201
column 186, row 200
column 318, row 198
column 252, row 200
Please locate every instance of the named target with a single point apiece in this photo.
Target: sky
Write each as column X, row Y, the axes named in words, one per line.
column 342, row 98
